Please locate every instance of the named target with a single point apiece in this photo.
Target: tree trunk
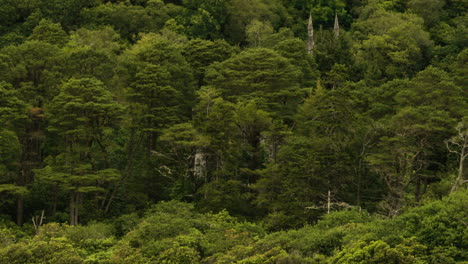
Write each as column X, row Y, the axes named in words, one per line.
column 131, row 150
column 200, row 170
column 20, row 210
column 460, row 141
column 77, row 207
column 30, row 158
column 21, row 181
column 359, row 179
column 72, row 208
column 459, row 179
column 310, row 36
column 417, row 192
column 74, row 200
column 54, row 203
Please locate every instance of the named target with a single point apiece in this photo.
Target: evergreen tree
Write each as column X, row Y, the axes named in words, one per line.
column 83, row 115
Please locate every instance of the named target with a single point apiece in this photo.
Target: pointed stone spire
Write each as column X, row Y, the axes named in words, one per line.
column 336, row 28
column 310, row 33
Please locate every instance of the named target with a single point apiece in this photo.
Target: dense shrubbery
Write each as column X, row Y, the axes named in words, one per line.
column 173, row 232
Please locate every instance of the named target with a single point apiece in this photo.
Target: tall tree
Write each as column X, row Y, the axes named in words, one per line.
column 83, row 115
column 205, row 19
column 49, row 32
column 162, row 91
column 391, row 44
column 241, row 13
column 13, row 116
column 261, row 74
column 202, row 53
column 404, row 155
column 314, row 163
column 35, row 71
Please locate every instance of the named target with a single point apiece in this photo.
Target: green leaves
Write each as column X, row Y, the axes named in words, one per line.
column 69, row 173
column 83, row 115
column 83, row 109
column 116, row 105
column 185, row 135
column 257, row 72
column 12, row 109
column 202, row 53
column 13, row 118
column 260, row 74
column 13, row 189
column 434, row 88
column 49, row 32
column 128, row 20
column 393, row 45
column 34, row 68
column 162, row 81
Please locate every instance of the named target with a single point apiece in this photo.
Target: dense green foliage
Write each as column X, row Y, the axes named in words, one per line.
column 212, row 131
column 174, row 232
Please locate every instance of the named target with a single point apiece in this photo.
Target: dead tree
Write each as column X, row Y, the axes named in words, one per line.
column 459, row 145
column 310, row 33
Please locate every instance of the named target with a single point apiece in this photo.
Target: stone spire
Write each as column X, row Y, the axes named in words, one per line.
column 310, row 33
column 336, row 28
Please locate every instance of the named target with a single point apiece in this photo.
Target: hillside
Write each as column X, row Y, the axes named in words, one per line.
column 233, row 131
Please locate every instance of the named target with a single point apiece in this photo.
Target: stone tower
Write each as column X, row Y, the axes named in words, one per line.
column 336, row 28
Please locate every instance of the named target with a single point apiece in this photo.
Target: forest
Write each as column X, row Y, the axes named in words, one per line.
column 233, row 131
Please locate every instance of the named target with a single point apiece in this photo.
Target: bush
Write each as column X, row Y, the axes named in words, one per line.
column 7, row 237
column 92, row 238
column 379, row 252
column 55, row 250
column 440, row 224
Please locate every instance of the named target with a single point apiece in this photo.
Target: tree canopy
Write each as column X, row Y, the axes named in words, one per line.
column 233, row 131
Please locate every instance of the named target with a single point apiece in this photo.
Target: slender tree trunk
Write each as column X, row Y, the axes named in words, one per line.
column 20, row 199
column 358, row 191
column 111, row 198
column 30, row 159
column 425, row 185
column 72, row 208
column 54, row 202
column 74, row 200
column 131, row 150
column 20, row 210
column 21, row 181
column 459, row 179
column 104, row 201
column 417, row 193
column 77, row 207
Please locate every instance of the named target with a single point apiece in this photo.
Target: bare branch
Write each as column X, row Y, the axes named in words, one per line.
column 448, row 147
